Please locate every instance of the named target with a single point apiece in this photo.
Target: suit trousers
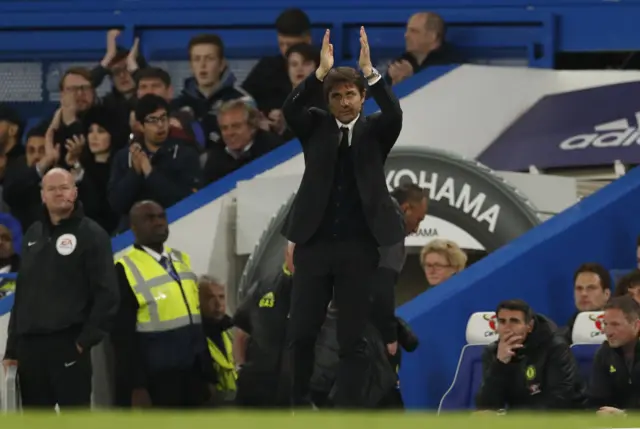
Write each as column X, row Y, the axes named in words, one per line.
column 52, row 372
column 342, row 270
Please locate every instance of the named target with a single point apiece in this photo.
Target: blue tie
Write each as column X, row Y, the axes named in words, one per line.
column 168, row 266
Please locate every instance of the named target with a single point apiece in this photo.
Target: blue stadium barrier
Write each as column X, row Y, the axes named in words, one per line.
column 537, row 267
column 584, row 354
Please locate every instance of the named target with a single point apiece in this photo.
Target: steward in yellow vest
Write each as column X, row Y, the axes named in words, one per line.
column 216, row 325
column 161, row 352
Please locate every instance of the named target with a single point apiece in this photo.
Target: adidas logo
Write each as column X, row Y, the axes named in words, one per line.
column 618, row 133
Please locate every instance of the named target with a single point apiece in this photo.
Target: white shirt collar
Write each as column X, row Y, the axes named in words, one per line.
column 155, row 255
column 350, row 125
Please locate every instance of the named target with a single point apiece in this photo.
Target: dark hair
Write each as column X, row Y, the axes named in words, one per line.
column 627, row 305
column 597, row 269
column 638, row 241
column 207, row 39
column 626, row 282
column 79, row 71
column 37, row 131
column 341, row 75
column 517, row 305
column 306, row 51
column 408, row 192
column 293, row 22
column 149, row 104
column 153, row 73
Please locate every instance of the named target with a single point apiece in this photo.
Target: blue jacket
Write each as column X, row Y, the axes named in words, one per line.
column 205, row 109
column 176, row 175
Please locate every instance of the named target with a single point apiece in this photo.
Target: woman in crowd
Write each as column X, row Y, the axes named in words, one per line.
column 441, row 259
column 90, row 160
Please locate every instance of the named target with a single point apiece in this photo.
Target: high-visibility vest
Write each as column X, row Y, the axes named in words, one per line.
column 162, row 305
column 7, row 286
column 224, row 364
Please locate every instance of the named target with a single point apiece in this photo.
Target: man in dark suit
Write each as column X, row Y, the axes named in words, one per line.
column 341, row 215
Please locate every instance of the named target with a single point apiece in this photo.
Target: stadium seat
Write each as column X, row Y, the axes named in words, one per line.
column 587, row 335
column 481, row 330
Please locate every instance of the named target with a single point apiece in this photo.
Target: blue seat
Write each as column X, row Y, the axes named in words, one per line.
column 466, row 382
column 584, row 354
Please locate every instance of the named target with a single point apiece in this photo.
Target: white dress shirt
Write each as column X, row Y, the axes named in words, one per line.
column 351, row 124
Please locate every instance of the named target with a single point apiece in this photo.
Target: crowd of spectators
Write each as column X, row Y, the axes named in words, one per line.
column 142, row 141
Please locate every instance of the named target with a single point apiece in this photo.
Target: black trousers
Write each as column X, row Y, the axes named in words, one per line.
column 178, row 388
column 51, row 371
column 342, row 270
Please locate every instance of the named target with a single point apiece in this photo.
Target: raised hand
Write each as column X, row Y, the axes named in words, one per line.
column 326, row 56
column 365, row 54
column 132, row 58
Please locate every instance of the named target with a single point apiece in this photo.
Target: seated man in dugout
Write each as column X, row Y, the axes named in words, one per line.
column 530, row 366
column 615, row 375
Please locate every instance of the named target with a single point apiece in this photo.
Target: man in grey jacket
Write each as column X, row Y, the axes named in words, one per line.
column 411, row 203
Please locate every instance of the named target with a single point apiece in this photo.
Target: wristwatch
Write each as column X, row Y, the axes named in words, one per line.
column 373, row 75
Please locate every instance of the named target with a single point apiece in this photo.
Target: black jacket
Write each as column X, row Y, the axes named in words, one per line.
column 269, row 83
column 264, row 315
column 220, row 162
column 372, row 139
column 381, row 372
column 66, row 282
column 543, row 375
column 205, row 109
column 567, row 331
column 611, row 383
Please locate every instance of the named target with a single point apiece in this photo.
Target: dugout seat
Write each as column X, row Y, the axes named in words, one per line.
column 587, row 336
column 481, row 330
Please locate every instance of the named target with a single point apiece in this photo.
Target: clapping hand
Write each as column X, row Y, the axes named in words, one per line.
column 326, row 56
column 365, row 54
column 74, row 149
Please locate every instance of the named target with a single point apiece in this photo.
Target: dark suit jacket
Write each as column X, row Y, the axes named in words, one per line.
column 373, row 137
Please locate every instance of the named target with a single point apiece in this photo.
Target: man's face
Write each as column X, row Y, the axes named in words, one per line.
column 154, row 86
column 512, row 321
column 414, row 214
column 588, row 292
column 213, row 299
column 638, row 256
column 7, row 131
column 121, row 77
column 59, row 192
column 6, row 243
column 618, row 329
column 206, row 64
column 236, row 131
column 156, row 127
column 285, row 42
column 80, row 89
column 417, row 38
column 345, row 102
column 34, row 150
column 149, row 224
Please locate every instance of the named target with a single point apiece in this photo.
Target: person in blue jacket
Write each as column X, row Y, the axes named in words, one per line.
column 157, row 168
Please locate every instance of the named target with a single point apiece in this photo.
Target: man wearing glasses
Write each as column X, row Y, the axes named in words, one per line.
column 157, row 167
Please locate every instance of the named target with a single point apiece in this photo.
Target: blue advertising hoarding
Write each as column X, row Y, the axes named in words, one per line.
column 587, row 128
